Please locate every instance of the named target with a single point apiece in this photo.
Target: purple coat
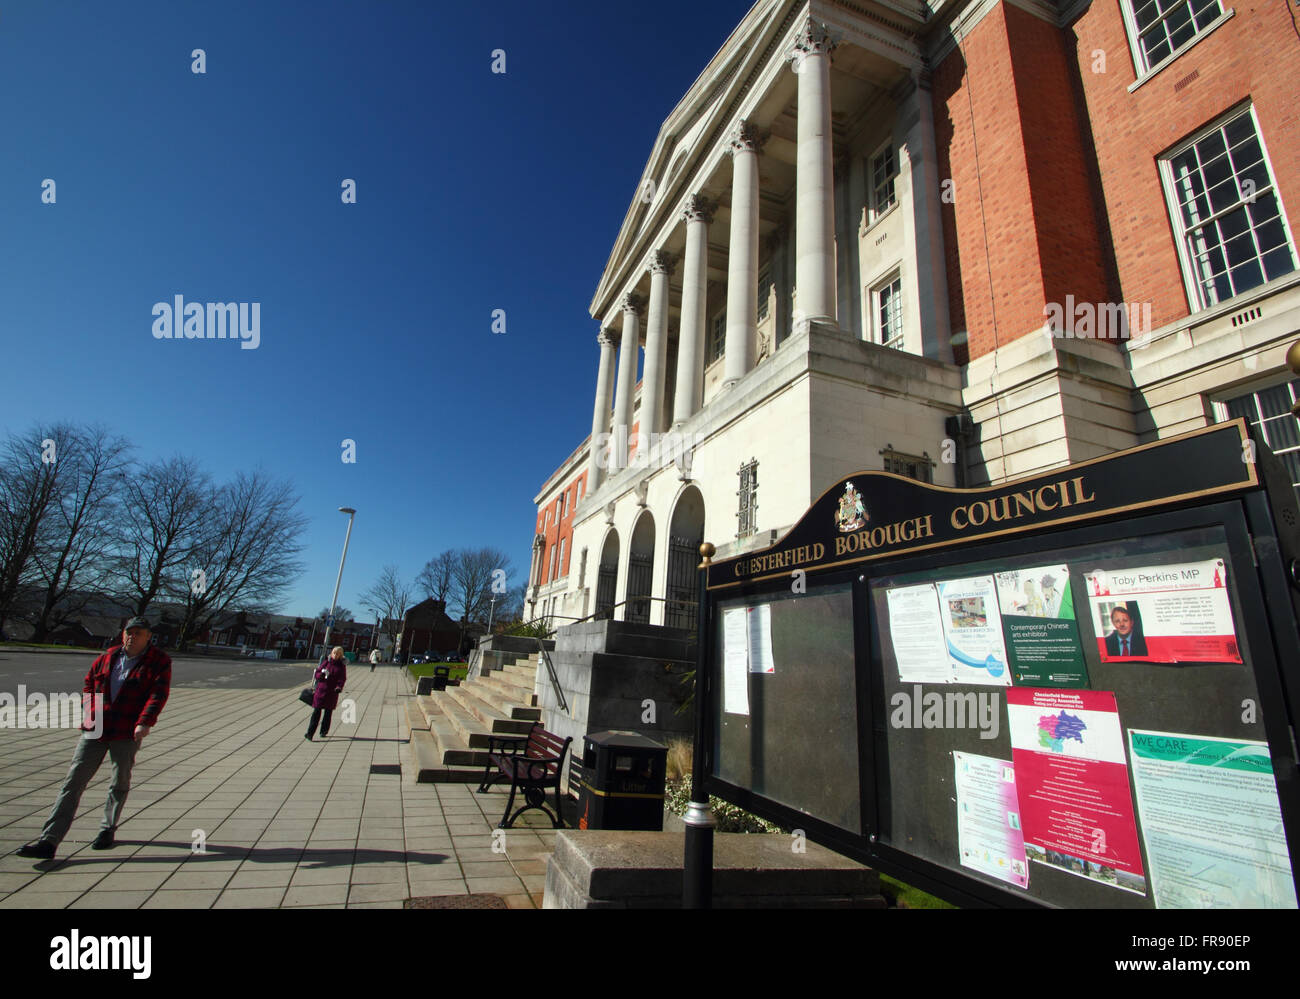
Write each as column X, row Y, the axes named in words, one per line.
column 330, row 677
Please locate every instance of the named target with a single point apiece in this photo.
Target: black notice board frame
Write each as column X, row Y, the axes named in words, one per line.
column 1263, row 610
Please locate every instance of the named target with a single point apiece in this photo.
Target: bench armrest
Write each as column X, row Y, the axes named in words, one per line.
column 510, row 744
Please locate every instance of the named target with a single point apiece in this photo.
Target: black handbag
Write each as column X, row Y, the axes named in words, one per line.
column 307, row 695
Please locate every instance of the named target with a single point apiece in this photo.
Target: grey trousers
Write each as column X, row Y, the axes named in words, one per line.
column 85, row 761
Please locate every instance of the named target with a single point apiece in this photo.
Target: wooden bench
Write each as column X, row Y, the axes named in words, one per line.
column 532, row 763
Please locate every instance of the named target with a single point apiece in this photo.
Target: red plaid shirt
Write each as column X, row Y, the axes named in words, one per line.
column 140, row 698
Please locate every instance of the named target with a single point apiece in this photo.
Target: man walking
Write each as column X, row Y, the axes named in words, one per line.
column 125, row 690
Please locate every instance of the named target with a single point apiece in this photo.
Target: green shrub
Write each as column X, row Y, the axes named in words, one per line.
column 730, row 818
column 538, row 627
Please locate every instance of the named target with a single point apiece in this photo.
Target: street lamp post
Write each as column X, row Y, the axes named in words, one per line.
column 329, row 625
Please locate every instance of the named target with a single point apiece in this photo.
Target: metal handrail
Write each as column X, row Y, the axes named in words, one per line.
column 555, row 680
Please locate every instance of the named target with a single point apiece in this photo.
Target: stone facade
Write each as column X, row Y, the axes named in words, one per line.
column 859, row 243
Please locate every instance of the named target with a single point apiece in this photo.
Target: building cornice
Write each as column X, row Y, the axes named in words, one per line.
column 730, row 88
column 948, row 32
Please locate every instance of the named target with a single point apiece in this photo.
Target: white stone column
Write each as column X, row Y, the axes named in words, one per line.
column 628, row 355
column 656, row 348
column 607, row 339
column 742, row 261
column 814, row 191
column 697, row 214
column 916, row 112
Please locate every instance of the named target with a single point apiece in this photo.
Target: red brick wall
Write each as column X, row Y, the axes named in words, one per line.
column 1021, row 229
column 1053, row 127
column 1255, row 55
column 559, row 527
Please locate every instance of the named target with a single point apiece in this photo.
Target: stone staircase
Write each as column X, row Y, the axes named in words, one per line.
column 450, row 728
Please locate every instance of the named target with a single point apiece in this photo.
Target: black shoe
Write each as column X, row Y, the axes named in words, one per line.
column 104, row 841
column 40, row 850
column 307, row 737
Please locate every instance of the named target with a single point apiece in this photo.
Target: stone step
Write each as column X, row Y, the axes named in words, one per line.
column 454, row 749
column 415, row 715
column 505, row 691
column 429, row 767
column 483, row 703
column 492, row 716
column 457, row 728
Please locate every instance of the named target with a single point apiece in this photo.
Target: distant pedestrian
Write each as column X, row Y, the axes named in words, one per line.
column 124, row 693
column 331, row 674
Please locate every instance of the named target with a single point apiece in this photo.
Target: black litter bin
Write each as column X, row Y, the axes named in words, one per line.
column 622, row 782
column 440, row 677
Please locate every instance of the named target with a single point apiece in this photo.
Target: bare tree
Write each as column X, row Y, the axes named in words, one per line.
column 510, row 606
column 340, row 614
column 436, row 578
column 390, row 597
column 164, row 506
column 29, row 489
column 478, row 574
column 245, row 552
column 73, row 562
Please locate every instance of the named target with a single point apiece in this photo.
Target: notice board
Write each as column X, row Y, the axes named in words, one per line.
column 1069, row 690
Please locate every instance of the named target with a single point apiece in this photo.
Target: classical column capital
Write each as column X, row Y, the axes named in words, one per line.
column 745, row 137
column 814, row 38
column 632, row 302
column 698, row 208
column 608, row 337
column 662, row 262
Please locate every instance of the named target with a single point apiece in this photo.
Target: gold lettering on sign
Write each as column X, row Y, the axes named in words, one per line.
column 1012, row 506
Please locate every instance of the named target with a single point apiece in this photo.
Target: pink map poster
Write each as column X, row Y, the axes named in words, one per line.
column 1072, row 782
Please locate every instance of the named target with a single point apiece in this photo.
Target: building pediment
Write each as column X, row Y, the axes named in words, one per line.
column 688, row 131
column 745, row 68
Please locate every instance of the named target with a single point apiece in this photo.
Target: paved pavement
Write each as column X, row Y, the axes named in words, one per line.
column 285, row 823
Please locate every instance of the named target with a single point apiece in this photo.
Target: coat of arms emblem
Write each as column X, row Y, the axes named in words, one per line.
column 851, row 514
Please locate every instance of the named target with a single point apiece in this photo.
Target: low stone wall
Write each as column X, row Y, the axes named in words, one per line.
column 602, row 869
column 497, row 651
column 616, row 675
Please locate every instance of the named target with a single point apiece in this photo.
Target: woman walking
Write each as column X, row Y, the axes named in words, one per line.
column 331, row 674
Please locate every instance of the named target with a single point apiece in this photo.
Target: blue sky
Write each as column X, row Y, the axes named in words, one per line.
column 475, row 191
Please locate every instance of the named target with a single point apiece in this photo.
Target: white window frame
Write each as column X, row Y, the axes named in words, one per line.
column 1143, row 69
column 878, row 332
column 873, row 189
column 1196, row 295
column 1222, row 415
column 719, row 320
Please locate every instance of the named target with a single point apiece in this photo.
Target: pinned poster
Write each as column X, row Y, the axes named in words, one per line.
column 972, row 629
column 759, row 635
column 1072, row 784
column 1211, row 822
column 989, row 837
column 735, row 661
column 916, row 631
column 1042, row 636
column 1164, row 613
